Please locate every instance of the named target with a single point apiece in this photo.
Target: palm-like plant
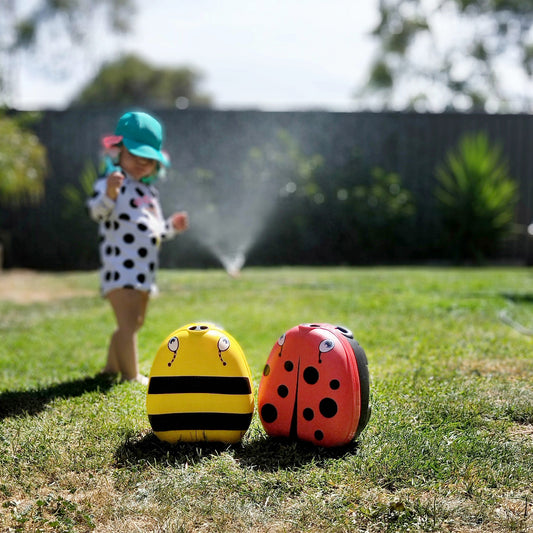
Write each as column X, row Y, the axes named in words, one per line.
column 477, row 197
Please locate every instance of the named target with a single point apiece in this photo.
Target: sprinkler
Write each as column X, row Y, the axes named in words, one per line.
column 233, row 263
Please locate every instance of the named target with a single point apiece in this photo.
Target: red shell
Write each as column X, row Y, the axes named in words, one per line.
column 315, row 386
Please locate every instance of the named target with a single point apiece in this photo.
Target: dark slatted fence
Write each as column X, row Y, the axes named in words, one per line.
column 407, row 143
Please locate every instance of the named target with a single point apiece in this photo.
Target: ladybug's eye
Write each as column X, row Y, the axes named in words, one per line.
column 345, row 331
column 223, row 344
column 173, row 344
column 281, row 340
column 326, row 345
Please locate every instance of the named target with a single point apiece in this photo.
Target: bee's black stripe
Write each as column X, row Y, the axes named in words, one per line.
column 199, row 385
column 201, row 421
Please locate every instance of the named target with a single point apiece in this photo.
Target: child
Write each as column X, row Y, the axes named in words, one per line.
column 126, row 205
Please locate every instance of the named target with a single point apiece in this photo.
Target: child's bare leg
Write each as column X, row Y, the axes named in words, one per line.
column 129, row 307
column 112, row 366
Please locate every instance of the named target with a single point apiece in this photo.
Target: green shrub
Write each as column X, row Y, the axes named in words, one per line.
column 476, row 198
column 358, row 214
column 23, row 162
column 385, row 208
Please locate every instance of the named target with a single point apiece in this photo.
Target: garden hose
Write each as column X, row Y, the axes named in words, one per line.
column 504, row 316
column 506, row 319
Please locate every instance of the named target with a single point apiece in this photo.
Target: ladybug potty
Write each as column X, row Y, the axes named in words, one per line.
column 315, row 386
column 200, row 387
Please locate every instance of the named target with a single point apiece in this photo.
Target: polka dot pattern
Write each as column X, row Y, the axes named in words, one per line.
column 130, row 236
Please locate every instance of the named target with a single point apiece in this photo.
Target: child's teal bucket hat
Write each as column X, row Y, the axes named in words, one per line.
column 141, row 134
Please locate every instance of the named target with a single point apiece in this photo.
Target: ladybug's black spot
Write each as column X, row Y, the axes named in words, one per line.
column 269, row 413
column 328, row 408
column 266, row 370
column 288, row 366
column 308, row 414
column 334, row 384
column 283, row 391
column 311, row 375
column 319, row 435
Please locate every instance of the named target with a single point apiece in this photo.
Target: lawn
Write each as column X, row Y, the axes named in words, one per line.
column 449, row 446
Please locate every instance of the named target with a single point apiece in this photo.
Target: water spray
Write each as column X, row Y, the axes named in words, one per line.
column 228, row 224
column 230, row 206
column 233, row 263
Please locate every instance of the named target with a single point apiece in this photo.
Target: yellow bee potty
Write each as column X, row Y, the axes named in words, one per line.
column 200, row 387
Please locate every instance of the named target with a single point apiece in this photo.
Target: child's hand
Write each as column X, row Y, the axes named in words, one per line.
column 180, row 221
column 113, row 184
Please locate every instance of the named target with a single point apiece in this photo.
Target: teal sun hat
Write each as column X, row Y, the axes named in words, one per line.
column 142, row 135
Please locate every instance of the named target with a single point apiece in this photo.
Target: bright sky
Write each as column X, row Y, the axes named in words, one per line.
column 264, row 54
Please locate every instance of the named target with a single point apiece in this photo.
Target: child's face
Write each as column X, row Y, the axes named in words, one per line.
column 137, row 167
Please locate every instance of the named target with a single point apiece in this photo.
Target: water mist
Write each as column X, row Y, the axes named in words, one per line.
column 229, row 209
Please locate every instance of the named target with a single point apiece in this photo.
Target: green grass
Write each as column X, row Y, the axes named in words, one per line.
column 449, row 446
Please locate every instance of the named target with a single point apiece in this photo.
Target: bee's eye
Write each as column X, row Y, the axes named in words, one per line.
column 173, row 344
column 223, row 344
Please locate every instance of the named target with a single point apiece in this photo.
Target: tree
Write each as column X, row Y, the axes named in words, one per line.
column 454, row 54
column 22, row 157
column 61, row 27
column 132, row 81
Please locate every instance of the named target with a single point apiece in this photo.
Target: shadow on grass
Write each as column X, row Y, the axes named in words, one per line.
column 525, row 298
column 265, row 454
column 31, row 402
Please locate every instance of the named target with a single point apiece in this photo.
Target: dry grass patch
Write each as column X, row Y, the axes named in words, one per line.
column 522, row 431
column 27, row 286
column 507, row 368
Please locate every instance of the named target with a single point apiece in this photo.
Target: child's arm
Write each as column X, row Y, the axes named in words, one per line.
column 106, row 191
column 176, row 223
column 180, row 221
column 113, row 184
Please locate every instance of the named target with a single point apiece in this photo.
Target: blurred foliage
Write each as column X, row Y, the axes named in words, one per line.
column 76, row 195
column 477, row 197
column 73, row 215
column 132, row 81
column 349, row 215
column 51, row 31
column 23, row 163
column 70, row 15
column 417, row 66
